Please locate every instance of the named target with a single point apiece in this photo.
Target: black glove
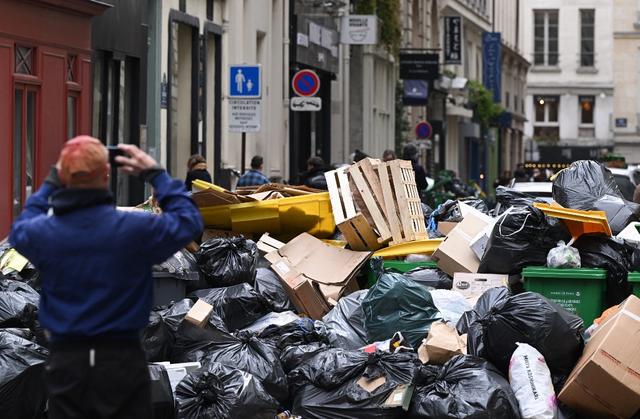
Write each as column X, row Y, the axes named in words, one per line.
column 53, row 179
column 149, row 174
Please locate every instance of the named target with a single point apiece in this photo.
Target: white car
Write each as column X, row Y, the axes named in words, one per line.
column 627, row 179
column 540, row 190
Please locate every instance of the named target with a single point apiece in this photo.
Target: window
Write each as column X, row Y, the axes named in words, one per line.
column 71, row 68
column 587, row 33
column 182, row 5
column 546, row 117
column 209, row 9
column 545, row 25
column 72, row 109
column 24, row 60
column 24, row 132
column 586, row 109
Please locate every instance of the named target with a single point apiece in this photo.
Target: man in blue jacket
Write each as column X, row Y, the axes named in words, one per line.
column 95, row 264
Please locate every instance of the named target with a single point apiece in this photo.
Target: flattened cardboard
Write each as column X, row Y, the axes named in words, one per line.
column 473, row 285
column 606, row 379
column 441, row 344
column 454, row 254
column 199, row 314
column 400, row 397
column 371, row 385
column 268, row 244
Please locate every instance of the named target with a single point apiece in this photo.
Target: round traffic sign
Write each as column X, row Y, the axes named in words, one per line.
column 305, row 83
column 423, row 130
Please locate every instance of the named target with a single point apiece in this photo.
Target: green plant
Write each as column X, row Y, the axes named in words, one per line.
column 485, row 110
column 401, row 125
column 389, row 15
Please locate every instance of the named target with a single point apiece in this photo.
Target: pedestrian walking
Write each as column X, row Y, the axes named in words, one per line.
column 95, row 267
column 314, row 175
column 254, row 176
column 196, row 169
column 410, row 152
column 388, row 155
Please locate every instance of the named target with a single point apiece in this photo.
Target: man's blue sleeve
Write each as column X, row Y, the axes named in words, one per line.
column 178, row 225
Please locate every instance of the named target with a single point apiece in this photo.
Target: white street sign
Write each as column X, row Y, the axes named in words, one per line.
column 359, row 30
column 244, row 115
column 307, row 104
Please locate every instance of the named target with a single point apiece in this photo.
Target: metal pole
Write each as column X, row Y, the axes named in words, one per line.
column 244, row 152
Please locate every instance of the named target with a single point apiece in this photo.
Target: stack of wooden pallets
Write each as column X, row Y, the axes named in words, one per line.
column 376, row 203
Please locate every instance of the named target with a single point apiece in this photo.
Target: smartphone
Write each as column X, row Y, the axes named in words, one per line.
column 113, row 152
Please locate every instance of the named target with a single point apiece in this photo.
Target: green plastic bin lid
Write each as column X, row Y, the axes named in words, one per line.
column 403, row 266
column 574, row 273
column 633, row 277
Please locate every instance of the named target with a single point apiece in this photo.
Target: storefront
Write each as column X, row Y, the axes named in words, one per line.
column 45, row 90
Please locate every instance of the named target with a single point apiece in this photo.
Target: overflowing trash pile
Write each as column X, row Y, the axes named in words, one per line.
column 526, row 311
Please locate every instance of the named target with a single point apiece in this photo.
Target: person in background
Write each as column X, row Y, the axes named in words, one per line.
column 95, row 266
column 539, row 175
column 313, row 177
column 388, row 155
column 410, row 152
column 359, row 155
column 254, row 176
column 520, row 174
column 197, row 169
column 636, row 195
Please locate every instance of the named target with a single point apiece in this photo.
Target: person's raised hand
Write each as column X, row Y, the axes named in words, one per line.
column 135, row 160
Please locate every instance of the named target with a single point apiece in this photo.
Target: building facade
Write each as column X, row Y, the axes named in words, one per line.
column 45, row 91
column 626, row 68
column 569, row 101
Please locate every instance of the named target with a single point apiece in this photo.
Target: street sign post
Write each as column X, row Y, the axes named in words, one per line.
column 302, row 104
column 305, row 83
column 423, row 130
column 245, row 91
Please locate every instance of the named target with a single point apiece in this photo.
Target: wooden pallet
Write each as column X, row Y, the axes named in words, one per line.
column 359, row 234
column 368, row 190
column 402, row 198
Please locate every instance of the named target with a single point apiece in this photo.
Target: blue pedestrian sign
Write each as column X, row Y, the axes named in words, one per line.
column 244, row 81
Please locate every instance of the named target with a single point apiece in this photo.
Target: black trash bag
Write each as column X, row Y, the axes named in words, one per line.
column 449, row 211
column 181, row 265
column 270, row 287
column 397, row 304
column 326, row 386
column 228, row 261
column 21, row 333
column 242, row 350
column 620, row 212
column 238, row 305
column 466, row 386
column 29, row 274
column 530, row 318
column 293, row 356
column 161, row 394
column 483, row 306
column 18, row 304
column 22, row 389
column 345, row 322
column 580, row 185
column 521, row 238
column 299, row 332
column 598, row 251
column 476, row 203
column 220, row 391
column 508, row 197
column 431, row 277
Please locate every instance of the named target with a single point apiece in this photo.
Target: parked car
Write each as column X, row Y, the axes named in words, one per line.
column 627, row 180
column 540, row 190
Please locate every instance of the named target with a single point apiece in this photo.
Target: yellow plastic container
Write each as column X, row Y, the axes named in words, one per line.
column 423, row 247
column 578, row 222
column 284, row 217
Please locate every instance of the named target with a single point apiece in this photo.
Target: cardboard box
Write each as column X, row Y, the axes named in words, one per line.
column 445, row 227
column 315, row 274
column 473, row 285
column 268, row 244
column 454, row 254
column 606, row 379
column 199, row 313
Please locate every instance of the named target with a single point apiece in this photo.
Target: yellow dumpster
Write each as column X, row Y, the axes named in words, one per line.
column 578, row 222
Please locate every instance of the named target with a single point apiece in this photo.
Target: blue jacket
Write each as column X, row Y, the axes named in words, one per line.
column 95, row 262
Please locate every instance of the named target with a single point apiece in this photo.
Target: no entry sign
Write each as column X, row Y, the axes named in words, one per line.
column 305, row 83
column 423, row 130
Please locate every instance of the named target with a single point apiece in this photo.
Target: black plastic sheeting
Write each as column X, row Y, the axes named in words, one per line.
column 397, row 304
column 18, row 304
column 296, row 333
column 242, row 350
column 181, row 265
column 22, row 390
column 597, row 251
column 268, row 285
column 238, row 305
column 221, row 391
column 345, row 322
column 580, row 185
column 161, row 394
column 620, row 212
column 228, row 261
column 521, row 238
column 525, row 318
column 465, row 387
column 508, row 197
column 327, row 386
column 430, row 278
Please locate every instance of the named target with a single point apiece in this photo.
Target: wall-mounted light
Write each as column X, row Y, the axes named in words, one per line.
column 541, row 101
column 603, row 95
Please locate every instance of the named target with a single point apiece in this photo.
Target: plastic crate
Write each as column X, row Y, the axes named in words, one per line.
column 400, row 266
column 634, row 279
column 580, row 291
